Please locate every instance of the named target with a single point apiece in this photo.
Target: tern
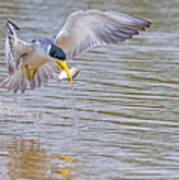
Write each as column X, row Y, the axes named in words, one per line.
column 30, row 64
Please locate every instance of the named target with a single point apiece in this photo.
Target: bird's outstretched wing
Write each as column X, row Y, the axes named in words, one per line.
column 15, row 48
column 85, row 29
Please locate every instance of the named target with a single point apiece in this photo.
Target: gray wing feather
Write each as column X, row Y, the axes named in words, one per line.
column 9, row 44
column 15, row 48
column 86, row 29
column 44, row 73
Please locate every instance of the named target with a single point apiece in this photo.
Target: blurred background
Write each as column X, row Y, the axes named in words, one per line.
column 119, row 120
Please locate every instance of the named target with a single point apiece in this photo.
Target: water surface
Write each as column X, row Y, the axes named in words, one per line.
column 119, row 120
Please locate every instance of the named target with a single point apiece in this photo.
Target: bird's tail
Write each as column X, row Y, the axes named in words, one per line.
column 24, row 77
column 16, row 81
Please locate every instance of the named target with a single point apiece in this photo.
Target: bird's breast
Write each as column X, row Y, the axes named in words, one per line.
column 35, row 60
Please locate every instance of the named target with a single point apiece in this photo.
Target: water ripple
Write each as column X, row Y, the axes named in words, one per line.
column 119, row 120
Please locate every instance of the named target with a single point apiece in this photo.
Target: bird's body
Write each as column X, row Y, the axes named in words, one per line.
column 38, row 55
column 30, row 63
column 33, row 63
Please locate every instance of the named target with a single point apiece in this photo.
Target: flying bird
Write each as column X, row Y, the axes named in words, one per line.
column 30, row 64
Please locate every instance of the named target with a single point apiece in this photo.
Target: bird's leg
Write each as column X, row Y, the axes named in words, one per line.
column 28, row 72
column 34, row 73
column 30, row 75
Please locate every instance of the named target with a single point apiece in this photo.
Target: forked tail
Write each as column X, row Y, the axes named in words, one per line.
column 24, row 77
column 16, row 81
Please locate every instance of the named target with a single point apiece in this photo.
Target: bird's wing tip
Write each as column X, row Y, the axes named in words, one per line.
column 10, row 22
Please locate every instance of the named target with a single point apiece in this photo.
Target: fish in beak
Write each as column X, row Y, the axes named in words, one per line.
column 62, row 65
column 63, row 75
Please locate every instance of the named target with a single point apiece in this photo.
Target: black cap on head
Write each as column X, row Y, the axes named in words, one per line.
column 57, row 52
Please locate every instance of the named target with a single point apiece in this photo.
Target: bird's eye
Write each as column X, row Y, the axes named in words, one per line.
column 54, row 54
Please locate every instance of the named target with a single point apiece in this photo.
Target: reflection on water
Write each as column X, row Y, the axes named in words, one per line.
column 27, row 159
column 119, row 120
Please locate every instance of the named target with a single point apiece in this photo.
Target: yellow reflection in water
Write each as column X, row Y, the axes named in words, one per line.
column 28, row 160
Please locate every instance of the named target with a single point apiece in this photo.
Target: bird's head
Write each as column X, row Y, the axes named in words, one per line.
column 60, row 58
